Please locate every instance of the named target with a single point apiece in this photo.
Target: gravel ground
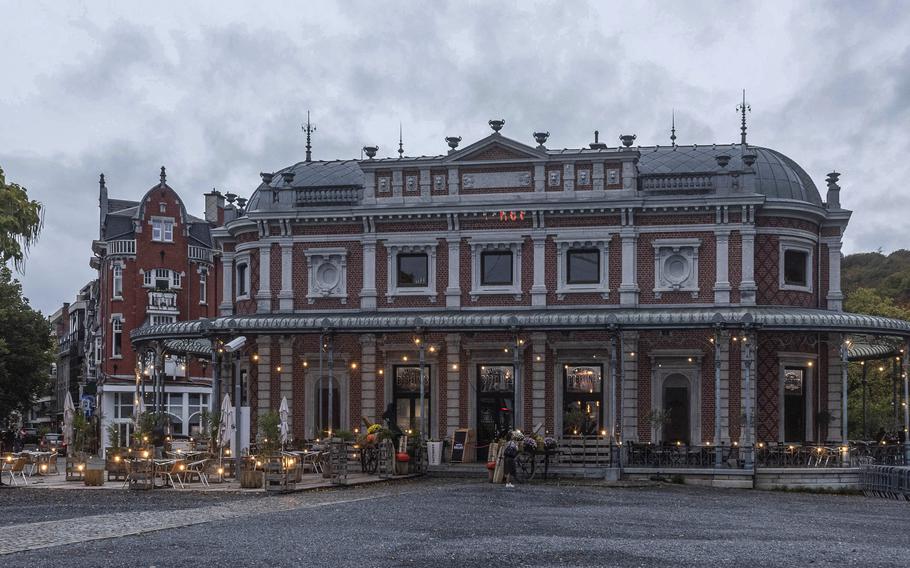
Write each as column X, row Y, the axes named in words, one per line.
column 464, row 524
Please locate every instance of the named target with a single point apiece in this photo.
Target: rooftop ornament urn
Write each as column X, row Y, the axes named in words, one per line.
column 497, row 125
column 722, row 160
column 230, row 197
column 266, row 177
column 541, row 138
column 370, row 151
column 749, row 159
column 453, row 141
column 627, row 139
column 287, row 177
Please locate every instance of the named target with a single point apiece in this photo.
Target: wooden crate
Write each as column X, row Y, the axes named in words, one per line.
column 94, row 477
column 250, row 479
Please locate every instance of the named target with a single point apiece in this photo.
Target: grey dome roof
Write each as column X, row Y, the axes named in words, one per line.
column 777, row 176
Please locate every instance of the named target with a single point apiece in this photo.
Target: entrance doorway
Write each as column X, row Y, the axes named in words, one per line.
column 794, row 404
column 676, row 405
column 495, row 404
column 322, row 408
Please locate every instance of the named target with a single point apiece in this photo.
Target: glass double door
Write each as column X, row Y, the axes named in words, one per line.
column 495, row 405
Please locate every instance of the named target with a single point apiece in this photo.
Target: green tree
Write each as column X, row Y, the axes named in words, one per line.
column 25, row 348
column 20, row 222
column 872, row 302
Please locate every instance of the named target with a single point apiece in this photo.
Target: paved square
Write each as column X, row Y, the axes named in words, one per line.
column 444, row 523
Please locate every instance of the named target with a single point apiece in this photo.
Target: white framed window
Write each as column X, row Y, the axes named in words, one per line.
column 411, row 269
column 162, row 279
column 117, row 336
column 162, row 229
column 242, row 277
column 795, row 264
column 160, row 320
column 582, row 265
column 676, row 266
column 118, row 281
column 203, row 285
column 97, row 349
column 496, row 265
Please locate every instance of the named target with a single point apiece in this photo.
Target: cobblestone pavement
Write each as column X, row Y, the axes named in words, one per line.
column 460, row 524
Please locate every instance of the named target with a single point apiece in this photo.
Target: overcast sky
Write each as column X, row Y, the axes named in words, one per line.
column 217, row 92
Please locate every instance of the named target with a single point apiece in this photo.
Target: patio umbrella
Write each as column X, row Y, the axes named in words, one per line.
column 69, row 413
column 140, row 406
column 283, row 413
column 226, row 426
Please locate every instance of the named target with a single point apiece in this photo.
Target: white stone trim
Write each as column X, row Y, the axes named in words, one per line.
column 666, row 363
column 409, row 246
column 243, row 259
column 664, row 250
column 786, row 243
column 567, row 242
column 337, row 259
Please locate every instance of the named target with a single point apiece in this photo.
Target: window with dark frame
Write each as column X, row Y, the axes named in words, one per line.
column 413, row 270
column 582, row 393
column 406, row 395
column 496, row 268
column 583, row 266
column 796, row 267
column 241, row 279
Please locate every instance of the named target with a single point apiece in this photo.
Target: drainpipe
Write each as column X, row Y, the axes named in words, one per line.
column 843, row 381
column 331, row 382
column 421, row 350
column 748, row 441
column 613, row 360
column 319, row 382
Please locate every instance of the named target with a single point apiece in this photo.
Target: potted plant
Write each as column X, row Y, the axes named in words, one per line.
column 658, row 419
column 114, row 463
column 269, row 444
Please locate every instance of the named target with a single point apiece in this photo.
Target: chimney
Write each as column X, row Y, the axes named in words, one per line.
column 214, row 207
column 833, row 199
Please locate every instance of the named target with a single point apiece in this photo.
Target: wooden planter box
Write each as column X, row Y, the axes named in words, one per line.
column 75, row 469
column 278, row 479
column 250, row 479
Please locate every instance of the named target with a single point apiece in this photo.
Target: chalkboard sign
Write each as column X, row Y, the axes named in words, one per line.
column 462, row 446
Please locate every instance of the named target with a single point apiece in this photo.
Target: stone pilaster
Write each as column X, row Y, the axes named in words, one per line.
column 539, row 287
column 747, row 287
column 226, row 307
column 264, row 383
column 286, row 378
column 722, row 265
column 453, row 382
column 264, row 295
column 368, row 293
column 835, row 296
column 286, row 294
column 453, row 289
column 539, row 378
column 629, row 382
column 368, row 377
column 628, row 288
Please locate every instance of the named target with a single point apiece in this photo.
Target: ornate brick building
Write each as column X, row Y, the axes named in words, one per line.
column 640, row 293
column 155, row 266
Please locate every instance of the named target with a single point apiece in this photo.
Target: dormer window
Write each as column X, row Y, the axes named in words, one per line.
column 161, row 279
column 162, row 229
column 796, row 264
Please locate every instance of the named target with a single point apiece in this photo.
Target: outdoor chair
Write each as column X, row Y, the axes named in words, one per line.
column 197, row 469
column 172, row 474
column 17, row 468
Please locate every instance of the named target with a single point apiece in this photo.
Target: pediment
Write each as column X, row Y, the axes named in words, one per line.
column 496, row 148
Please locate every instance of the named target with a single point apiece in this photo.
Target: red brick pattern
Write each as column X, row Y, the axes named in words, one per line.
column 767, row 276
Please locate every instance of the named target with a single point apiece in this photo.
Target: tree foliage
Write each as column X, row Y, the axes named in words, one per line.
column 25, row 348
column 21, row 220
column 888, row 275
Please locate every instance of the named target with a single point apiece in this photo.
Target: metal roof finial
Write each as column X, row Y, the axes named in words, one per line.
column 400, row 143
column 673, row 129
column 101, row 182
column 742, row 108
column 309, row 129
column 163, row 177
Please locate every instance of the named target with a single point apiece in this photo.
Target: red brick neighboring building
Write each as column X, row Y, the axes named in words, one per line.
column 577, row 290
column 155, row 266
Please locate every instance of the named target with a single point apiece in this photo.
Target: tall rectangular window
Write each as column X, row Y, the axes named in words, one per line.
column 582, row 412
column 241, row 279
column 118, row 281
column 412, row 270
column 496, row 268
column 795, row 269
column 163, row 230
column 203, row 284
column 406, row 396
column 117, row 336
column 583, row 266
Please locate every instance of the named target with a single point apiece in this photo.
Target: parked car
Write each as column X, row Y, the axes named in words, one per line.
column 53, row 442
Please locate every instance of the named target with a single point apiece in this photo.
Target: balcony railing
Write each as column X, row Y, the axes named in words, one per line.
column 342, row 196
column 162, row 302
column 201, row 254
column 123, row 246
column 677, row 182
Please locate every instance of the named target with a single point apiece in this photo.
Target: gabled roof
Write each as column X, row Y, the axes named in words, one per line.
column 496, row 147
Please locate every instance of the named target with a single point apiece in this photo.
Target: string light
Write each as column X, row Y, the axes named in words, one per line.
column 255, row 356
column 353, row 365
column 454, row 366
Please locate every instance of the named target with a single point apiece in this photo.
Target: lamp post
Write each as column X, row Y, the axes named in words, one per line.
column 747, row 431
column 906, row 365
column 718, row 457
column 237, row 417
column 844, row 359
column 421, row 351
column 331, row 341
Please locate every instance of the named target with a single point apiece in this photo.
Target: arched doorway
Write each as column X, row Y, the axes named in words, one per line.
column 676, row 406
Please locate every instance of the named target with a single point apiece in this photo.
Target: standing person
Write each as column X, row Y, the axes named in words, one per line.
column 509, row 453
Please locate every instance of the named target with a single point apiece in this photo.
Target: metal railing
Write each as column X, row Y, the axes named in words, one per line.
column 681, row 456
column 201, row 254
column 162, row 301
column 676, row 182
column 890, row 482
column 123, row 246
